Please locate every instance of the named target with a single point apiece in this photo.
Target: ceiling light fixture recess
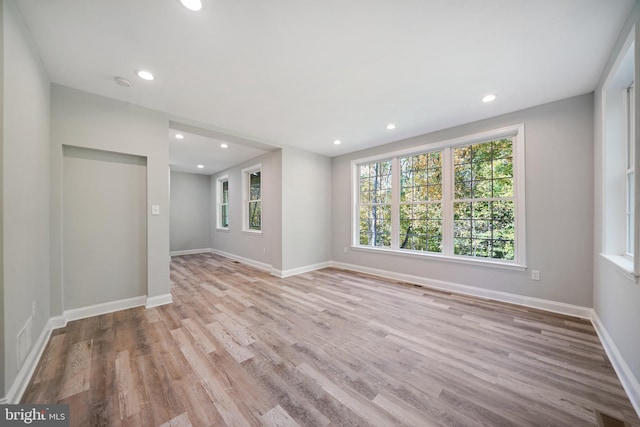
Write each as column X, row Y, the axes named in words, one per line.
column 200, row 166
column 179, row 136
column 391, row 126
column 223, row 145
column 194, row 5
column 145, row 75
column 488, row 98
column 337, row 142
column 122, row 81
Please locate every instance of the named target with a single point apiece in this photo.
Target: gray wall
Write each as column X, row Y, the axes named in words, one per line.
column 257, row 247
column 190, row 216
column 104, row 227
column 25, row 159
column 615, row 295
column 84, row 120
column 306, row 212
column 559, row 199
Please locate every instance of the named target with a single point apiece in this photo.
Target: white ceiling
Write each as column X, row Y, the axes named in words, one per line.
column 186, row 154
column 303, row 73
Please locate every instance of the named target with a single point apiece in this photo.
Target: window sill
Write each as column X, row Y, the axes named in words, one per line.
column 622, row 264
column 253, row 232
column 438, row 257
column 222, row 229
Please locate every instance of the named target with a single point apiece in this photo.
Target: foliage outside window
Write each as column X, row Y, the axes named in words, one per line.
column 375, row 204
column 255, row 201
column 224, row 206
column 483, row 205
column 222, row 196
column 421, row 202
column 252, row 195
column 454, row 199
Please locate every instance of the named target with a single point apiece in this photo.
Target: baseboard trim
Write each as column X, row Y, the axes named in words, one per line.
column 538, row 303
column 629, row 382
column 28, row 367
column 257, row 264
column 103, row 308
column 299, row 270
column 191, row 252
column 158, row 300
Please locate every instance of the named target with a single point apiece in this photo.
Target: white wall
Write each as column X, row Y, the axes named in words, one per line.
column 616, row 297
column 190, row 215
column 104, row 227
column 259, row 248
column 306, row 209
column 25, row 164
column 559, row 196
column 84, row 120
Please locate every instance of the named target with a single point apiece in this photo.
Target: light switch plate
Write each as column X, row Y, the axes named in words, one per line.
column 155, row 209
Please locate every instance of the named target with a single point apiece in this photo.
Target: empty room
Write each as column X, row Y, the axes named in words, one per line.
column 250, row 213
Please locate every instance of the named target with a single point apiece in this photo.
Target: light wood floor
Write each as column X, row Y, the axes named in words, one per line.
column 241, row 347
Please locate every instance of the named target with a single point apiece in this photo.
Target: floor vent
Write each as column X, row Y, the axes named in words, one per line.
column 605, row 420
column 24, row 342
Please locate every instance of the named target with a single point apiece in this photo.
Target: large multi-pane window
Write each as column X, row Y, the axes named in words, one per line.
column 252, row 183
column 375, row 204
column 223, row 202
column 460, row 199
column 421, row 202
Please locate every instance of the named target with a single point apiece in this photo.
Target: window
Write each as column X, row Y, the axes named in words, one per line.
column 630, row 172
column 618, row 178
column 461, row 199
column 252, row 183
column 421, row 202
column 375, row 204
column 223, row 202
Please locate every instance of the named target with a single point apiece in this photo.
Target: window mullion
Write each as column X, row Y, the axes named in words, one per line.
column 395, row 203
column 447, row 202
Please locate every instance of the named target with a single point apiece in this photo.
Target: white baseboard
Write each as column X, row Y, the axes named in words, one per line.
column 158, row 300
column 14, row 395
column 629, row 382
column 257, row 264
column 191, row 252
column 104, row 308
column 299, row 270
column 542, row 304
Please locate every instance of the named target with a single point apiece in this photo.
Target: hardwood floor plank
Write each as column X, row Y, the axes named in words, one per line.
column 77, row 370
column 278, row 417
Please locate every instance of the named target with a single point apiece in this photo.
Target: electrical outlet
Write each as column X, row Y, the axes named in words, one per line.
column 345, row 250
column 535, row 274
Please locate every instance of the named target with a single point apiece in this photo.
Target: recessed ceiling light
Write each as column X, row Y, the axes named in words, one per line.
column 194, row 5
column 200, row 166
column 391, row 126
column 145, row 75
column 488, row 98
column 179, row 136
column 122, row 81
column 337, row 142
column 223, row 145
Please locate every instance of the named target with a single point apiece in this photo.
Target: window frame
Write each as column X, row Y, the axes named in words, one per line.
column 246, row 198
column 515, row 131
column 220, row 202
column 630, row 172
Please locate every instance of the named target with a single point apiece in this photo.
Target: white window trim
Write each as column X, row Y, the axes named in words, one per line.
column 517, row 133
column 245, row 198
column 219, row 198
